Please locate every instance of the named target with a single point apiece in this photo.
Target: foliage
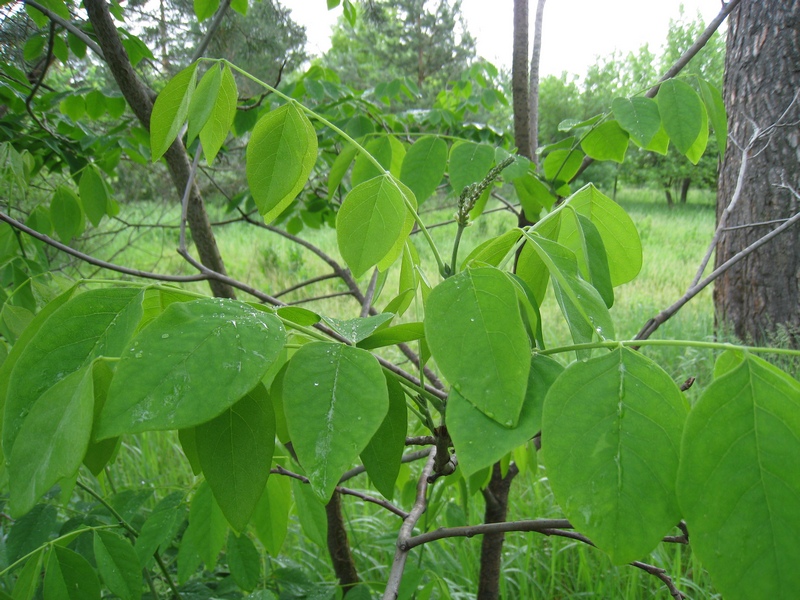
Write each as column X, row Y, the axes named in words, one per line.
column 90, row 365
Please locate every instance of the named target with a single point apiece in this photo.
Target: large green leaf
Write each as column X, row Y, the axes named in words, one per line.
column 29, row 577
column 476, row 334
column 280, row 155
column 205, row 8
column 739, row 481
column 98, row 454
column 715, row 107
column 424, row 166
column 581, row 236
column 359, row 328
column 94, row 196
column 639, row 117
column 170, row 110
column 69, row 576
column 611, row 431
column 696, row 150
column 533, row 196
column 52, row 441
column 160, row 527
column 95, row 323
column 339, row 168
column 478, row 440
column 469, row 163
column 243, row 561
column 607, row 141
column 203, row 100
column 335, row 399
column 66, row 214
column 271, row 516
column 219, row 123
column 311, row 513
column 493, row 251
column 190, row 364
column 235, row 451
column 382, row 150
column 370, row 222
column 681, row 113
column 382, row 455
column 118, row 565
column 619, row 235
column 560, row 166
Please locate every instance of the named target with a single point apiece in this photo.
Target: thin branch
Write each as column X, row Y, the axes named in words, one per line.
column 97, row 262
column 212, row 29
column 407, row 458
column 279, row 470
column 422, row 440
column 401, row 554
column 305, row 283
column 366, row 304
column 73, row 29
column 315, row 298
column 667, row 313
column 538, row 525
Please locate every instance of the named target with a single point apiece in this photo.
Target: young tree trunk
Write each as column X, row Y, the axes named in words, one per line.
column 343, row 564
column 668, row 194
column 519, row 80
column 140, row 100
column 762, row 80
column 686, row 182
column 496, row 496
column 533, row 89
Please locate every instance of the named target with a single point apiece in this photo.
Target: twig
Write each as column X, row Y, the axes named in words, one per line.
column 212, row 29
column 422, row 440
column 401, row 554
column 73, row 29
column 305, row 283
column 407, row 458
column 315, row 298
column 366, row 304
column 538, row 525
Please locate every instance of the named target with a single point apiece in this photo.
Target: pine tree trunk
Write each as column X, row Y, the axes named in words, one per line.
column 760, row 294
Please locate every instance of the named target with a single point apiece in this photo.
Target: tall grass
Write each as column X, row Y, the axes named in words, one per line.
column 534, row 566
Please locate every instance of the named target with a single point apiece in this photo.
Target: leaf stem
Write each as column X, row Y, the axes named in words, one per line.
column 670, row 343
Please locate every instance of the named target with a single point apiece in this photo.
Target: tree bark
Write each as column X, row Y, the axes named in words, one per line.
column 519, row 80
column 496, row 496
column 686, row 182
column 139, row 99
column 533, row 82
column 760, row 294
column 339, row 548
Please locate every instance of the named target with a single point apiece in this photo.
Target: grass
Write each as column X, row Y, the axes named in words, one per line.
column 674, row 240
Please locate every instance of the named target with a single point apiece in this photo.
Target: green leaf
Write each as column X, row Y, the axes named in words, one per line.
column 76, row 45
column 240, row 6
column 639, row 117
column 163, row 380
column 619, row 235
column 406, row 332
column 382, row 455
column 188, row 440
column 493, row 251
column 611, row 431
column 170, row 111
column 95, row 104
column 32, row 531
column 370, row 223
column 695, row 151
column 33, row 48
column 311, row 512
column 339, row 168
column 62, row 416
column 69, row 576
column 738, row 482
column 216, row 129
column 381, row 149
column 469, row 163
column 359, row 328
column 581, row 236
column 424, row 166
column 160, row 527
column 681, row 113
column 203, row 100
column 118, row 565
column 95, row 323
column 98, row 454
column 607, row 141
column 29, row 577
column 73, row 106
column 335, row 399
column 271, row 517
column 560, row 166
column 475, row 332
column 478, row 440
column 235, row 450
column 65, row 210
column 533, row 196
column 243, row 561
column 205, row 8
column 205, row 535
column 715, row 107
column 280, row 155
column 581, row 304
column 519, row 168
column 94, row 196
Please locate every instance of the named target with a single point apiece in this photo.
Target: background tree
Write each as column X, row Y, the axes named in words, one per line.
column 762, row 83
column 425, row 40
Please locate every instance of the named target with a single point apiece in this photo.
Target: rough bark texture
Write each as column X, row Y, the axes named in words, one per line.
column 762, row 76
column 519, row 79
column 533, row 83
column 139, row 99
column 338, row 546
column 496, row 496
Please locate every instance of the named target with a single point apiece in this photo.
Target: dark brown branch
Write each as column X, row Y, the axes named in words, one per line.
column 538, row 525
column 315, row 298
column 212, row 29
column 305, row 283
column 407, row 458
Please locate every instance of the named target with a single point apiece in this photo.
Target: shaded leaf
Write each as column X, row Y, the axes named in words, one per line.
column 271, row 516
column 69, row 576
column 118, row 565
column 382, row 455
